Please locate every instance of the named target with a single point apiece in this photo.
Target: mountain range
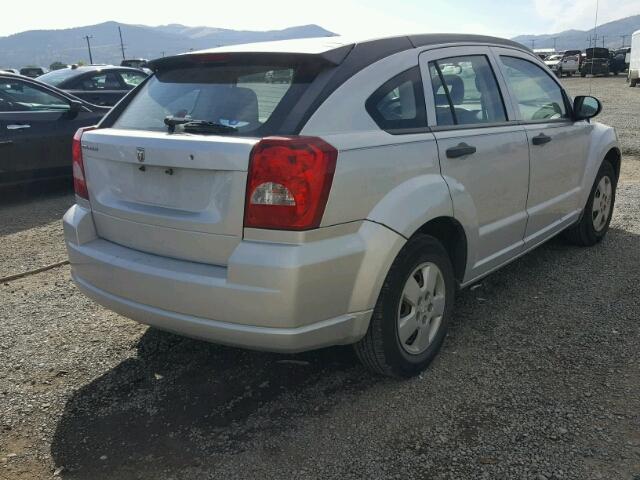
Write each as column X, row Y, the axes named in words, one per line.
column 612, row 33
column 43, row 47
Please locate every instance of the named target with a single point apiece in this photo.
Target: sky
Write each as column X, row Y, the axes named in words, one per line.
column 358, row 18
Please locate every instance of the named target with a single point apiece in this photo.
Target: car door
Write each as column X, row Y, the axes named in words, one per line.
column 483, row 152
column 32, row 136
column 99, row 88
column 557, row 145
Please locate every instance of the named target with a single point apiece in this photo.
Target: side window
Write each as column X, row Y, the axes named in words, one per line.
column 466, row 91
column 17, row 96
column 398, row 105
column 538, row 96
column 132, row 79
column 101, row 81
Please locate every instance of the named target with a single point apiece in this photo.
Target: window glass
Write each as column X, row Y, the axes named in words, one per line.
column 17, row 96
column 101, row 81
column 399, row 103
column 56, row 77
column 248, row 97
column 538, row 96
column 269, row 87
column 132, row 79
column 465, row 91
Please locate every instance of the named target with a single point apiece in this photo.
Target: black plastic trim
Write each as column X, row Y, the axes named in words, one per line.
column 403, row 126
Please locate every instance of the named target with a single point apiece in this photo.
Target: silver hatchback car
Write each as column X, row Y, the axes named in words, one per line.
column 344, row 204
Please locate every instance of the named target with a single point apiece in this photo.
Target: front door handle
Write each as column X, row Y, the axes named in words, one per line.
column 541, row 139
column 460, row 151
column 18, row 126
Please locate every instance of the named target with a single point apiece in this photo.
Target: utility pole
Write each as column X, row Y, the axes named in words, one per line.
column 87, row 38
column 121, row 43
column 603, row 40
column 533, row 43
column 555, row 40
column 162, row 53
column 624, row 40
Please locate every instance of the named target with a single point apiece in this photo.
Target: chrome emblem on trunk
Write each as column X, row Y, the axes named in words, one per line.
column 140, row 154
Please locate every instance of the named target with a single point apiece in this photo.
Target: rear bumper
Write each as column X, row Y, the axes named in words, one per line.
column 270, row 296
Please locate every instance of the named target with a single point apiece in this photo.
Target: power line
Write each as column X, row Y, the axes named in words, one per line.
column 87, row 38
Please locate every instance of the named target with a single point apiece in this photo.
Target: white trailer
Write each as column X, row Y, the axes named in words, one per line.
column 634, row 63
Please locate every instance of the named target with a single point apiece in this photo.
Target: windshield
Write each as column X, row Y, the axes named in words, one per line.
column 249, row 98
column 56, row 77
column 554, row 57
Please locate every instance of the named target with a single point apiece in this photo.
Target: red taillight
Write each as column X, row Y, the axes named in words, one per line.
column 79, row 182
column 288, row 183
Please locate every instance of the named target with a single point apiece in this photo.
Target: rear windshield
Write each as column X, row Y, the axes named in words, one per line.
column 253, row 99
column 56, row 77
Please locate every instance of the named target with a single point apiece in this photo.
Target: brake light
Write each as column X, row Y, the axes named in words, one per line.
column 288, row 182
column 79, row 181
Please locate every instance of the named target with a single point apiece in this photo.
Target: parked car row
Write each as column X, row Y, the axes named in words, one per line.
column 593, row 61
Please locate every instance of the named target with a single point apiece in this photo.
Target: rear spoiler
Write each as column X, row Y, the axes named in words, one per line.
column 328, row 58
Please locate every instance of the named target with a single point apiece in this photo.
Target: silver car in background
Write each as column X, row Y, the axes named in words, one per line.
column 345, row 204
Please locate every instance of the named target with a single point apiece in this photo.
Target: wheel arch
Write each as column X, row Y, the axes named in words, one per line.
column 450, row 233
column 615, row 157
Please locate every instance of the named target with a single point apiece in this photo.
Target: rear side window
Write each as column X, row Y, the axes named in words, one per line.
column 132, row 79
column 538, row 96
column 398, row 105
column 466, row 92
column 252, row 99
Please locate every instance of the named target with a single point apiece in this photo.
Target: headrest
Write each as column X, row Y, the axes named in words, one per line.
column 456, row 91
column 237, row 104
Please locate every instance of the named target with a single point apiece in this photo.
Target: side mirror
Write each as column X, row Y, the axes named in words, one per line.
column 76, row 106
column 585, row 108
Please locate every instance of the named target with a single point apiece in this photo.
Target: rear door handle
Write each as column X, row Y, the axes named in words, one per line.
column 460, row 151
column 18, row 126
column 541, row 139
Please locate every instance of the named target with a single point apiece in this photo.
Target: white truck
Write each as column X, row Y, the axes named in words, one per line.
column 564, row 63
column 634, row 62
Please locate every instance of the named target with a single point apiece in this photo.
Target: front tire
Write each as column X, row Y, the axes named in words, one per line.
column 412, row 314
column 596, row 216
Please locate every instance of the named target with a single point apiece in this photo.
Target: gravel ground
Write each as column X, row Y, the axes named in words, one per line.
column 621, row 106
column 539, row 379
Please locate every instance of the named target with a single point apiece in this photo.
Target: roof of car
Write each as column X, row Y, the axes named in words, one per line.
column 335, row 49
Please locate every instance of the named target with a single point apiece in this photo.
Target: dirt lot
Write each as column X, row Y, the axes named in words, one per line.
column 539, row 379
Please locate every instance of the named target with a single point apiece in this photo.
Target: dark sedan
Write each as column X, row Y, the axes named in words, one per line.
column 98, row 84
column 37, row 123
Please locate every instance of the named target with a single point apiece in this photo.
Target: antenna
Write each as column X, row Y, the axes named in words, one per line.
column 595, row 32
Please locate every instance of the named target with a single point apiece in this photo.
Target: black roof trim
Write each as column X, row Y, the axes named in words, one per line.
column 428, row 39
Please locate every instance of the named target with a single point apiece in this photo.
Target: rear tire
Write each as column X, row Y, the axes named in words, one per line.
column 633, row 83
column 583, row 74
column 412, row 314
column 596, row 216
